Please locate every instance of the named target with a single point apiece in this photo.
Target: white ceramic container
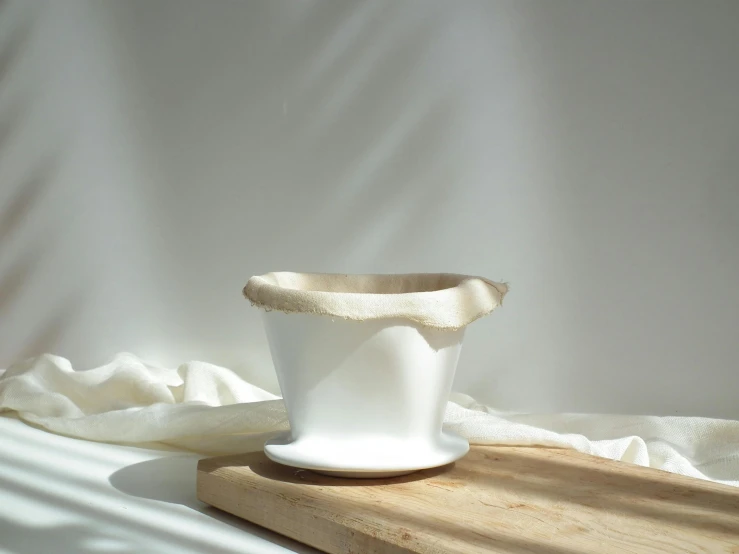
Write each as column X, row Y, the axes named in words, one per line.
column 364, row 398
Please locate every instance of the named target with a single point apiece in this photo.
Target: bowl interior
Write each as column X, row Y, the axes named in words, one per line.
column 366, row 284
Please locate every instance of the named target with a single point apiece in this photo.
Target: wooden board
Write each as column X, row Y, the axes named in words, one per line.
column 496, row 499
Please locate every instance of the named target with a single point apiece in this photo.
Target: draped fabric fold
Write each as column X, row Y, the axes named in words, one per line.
column 446, row 301
column 209, row 409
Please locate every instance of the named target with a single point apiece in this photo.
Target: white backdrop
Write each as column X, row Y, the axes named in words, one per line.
column 156, row 153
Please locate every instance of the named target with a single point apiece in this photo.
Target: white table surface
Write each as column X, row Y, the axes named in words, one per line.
column 64, row 495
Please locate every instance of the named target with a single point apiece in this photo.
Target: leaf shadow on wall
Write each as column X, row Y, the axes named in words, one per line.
column 18, row 210
column 322, row 144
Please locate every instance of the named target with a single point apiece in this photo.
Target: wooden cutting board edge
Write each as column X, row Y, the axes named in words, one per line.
column 496, row 499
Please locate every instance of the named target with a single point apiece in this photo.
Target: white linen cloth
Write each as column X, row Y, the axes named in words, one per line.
column 446, row 301
column 209, row 409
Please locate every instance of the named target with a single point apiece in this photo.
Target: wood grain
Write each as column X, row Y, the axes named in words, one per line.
column 496, row 499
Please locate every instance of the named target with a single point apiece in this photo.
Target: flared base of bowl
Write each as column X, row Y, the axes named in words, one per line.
column 366, row 458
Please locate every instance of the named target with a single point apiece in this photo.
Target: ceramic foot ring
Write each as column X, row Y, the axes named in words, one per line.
column 365, row 364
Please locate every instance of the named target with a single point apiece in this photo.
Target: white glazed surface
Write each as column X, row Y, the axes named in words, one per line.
column 363, row 398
